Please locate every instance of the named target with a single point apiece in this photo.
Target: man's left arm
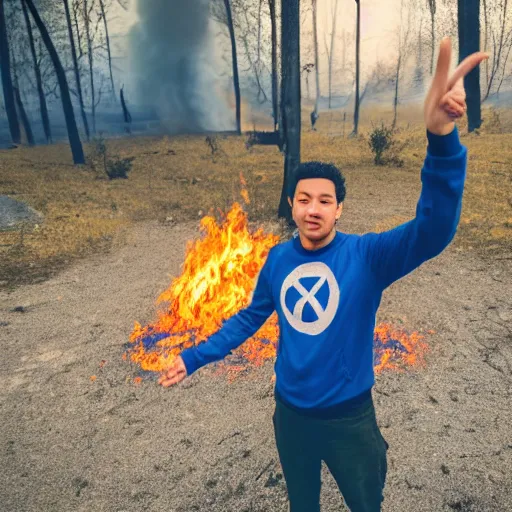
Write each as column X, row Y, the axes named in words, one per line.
column 397, row 252
column 394, row 253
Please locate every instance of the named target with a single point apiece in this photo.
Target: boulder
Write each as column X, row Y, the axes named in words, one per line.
column 14, row 214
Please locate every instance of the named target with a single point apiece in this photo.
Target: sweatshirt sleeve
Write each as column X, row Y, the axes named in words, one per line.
column 394, row 253
column 236, row 329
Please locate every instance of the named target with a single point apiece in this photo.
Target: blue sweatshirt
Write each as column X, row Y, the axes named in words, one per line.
column 327, row 299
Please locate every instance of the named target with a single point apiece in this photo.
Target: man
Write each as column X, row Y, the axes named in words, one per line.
column 326, row 287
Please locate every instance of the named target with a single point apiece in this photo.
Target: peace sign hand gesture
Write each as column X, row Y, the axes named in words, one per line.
column 446, row 99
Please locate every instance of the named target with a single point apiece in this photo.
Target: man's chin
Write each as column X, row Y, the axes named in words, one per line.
column 314, row 234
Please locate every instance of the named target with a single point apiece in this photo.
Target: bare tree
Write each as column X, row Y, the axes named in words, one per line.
column 432, row 7
column 76, row 68
column 502, row 44
column 9, row 97
column 27, row 136
column 107, row 42
column 290, row 98
column 254, row 63
column 469, row 42
column 77, row 10
column 306, row 70
column 275, row 80
column 74, row 137
column 314, row 114
column 358, row 45
column 87, row 12
column 236, row 81
column 330, row 49
column 126, row 113
column 37, row 72
column 486, row 39
column 403, row 51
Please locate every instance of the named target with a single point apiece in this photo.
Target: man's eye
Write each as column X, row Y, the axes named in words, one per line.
column 325, row 202
column 303, row 200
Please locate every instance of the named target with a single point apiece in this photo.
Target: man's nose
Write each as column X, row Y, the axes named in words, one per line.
column 313, row 208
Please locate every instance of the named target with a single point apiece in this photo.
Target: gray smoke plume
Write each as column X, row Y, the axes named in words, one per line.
column 173, row 65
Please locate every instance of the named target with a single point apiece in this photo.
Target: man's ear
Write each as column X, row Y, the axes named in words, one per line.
column 339, row 210
column 290, row 202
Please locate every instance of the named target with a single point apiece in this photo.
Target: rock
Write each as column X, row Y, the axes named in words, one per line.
column 15, row 214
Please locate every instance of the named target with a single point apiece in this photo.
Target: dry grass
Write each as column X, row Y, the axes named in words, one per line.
column 176, row 178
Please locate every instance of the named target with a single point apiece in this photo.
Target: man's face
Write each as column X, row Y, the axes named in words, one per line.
column 315, row 211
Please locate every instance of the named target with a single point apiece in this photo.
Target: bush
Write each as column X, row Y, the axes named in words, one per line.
column 114, row 167
column 381, row 140
column 118, row 168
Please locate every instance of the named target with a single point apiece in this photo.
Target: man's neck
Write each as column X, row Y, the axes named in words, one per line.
column 310, row 245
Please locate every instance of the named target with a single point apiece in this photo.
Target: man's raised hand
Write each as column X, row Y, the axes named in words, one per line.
column 174, row 374
column 446, row 99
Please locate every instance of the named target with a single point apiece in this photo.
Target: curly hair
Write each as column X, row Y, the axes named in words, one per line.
column 320, row 170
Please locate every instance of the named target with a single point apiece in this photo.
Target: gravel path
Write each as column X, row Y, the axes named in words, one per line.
column 69, row 443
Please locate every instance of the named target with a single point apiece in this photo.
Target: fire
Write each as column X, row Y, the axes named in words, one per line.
column 217, row 280
column 395, row 349
column 218, row 276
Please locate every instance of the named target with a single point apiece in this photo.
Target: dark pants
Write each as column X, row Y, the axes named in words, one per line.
column 352, row 448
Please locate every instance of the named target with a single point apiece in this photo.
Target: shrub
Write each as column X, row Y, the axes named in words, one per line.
column 118, row 168
column 381, row 140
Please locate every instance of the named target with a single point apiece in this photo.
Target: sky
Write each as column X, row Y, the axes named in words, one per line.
column 379, row 20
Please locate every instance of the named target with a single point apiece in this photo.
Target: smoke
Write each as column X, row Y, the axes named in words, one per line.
column 174, row 66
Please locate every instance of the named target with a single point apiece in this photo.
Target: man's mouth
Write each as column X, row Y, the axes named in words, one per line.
column 312, row 225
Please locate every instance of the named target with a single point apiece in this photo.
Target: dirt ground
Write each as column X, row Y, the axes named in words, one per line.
column 69, row 443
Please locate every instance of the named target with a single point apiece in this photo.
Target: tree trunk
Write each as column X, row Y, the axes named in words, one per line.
column 358, row 44
column 331, row 52
column 432, row 7
column 486, row 38
column 27, row 136
column 74, row 137
column 9, row 99
column 126, row 113
column 497, row 50
column 236, row 82
column 22, row 116
column 397, row 79
column 76, row 8
column 258, row 52
column 102, row 7
column 314, row 114
column 37, row 71
column 290, row 97
column 469, row 42
column 77, row 71
column 90, row 58
column 275, row 83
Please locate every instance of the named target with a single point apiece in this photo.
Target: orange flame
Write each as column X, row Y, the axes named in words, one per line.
column 216, row 282
column 411, row 353
column 218, row 276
